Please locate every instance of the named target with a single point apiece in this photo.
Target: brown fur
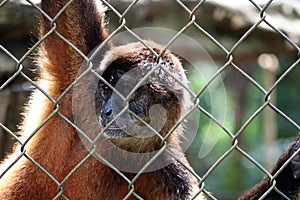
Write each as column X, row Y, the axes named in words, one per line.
column 56, row 145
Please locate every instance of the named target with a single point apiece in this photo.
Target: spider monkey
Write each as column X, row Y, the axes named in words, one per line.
column 56, row 146
column 287, row 182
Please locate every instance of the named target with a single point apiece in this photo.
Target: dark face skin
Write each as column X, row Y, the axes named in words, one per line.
column 139, row 104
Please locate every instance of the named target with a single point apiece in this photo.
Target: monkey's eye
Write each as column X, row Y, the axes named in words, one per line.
column 104, row 90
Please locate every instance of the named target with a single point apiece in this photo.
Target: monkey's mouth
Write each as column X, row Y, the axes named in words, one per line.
column 114, row 131
column 126, row 129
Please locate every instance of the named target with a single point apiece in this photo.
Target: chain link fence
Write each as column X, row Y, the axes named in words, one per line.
column 228, row 59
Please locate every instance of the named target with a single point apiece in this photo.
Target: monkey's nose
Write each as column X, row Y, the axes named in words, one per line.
column 106, row 112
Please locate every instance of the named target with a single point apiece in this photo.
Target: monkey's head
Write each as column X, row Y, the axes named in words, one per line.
column 140, row 102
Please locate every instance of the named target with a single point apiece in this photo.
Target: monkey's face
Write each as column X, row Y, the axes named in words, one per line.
column 133, row 109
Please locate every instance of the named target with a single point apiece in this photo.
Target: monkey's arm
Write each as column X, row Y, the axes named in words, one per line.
column 55, row 146
column 295, row 164
column 288, row 181
column 81, row 24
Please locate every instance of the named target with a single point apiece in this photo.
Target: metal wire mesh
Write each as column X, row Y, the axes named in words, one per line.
column 229, row 55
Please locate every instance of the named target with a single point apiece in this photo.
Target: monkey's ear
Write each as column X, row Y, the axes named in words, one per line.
column 295, row 164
